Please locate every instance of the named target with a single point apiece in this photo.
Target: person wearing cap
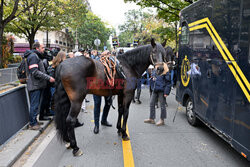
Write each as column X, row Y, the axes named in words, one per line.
column 82, row 50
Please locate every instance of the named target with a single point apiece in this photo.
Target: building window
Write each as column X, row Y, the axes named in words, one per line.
column 56, row 41
column 60, row 42
column 184, row 34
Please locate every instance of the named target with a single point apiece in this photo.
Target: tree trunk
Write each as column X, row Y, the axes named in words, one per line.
column 1, row 46
column 31, row 40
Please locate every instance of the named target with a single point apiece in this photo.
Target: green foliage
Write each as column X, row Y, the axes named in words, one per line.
column 125, row 37
column 46, row 15
column 91, row 28
column 167, row 9
column 143, row 26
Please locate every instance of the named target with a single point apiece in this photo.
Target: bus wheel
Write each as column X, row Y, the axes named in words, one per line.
column 191, row 116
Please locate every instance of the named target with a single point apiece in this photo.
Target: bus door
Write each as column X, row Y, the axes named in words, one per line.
column 199, row 69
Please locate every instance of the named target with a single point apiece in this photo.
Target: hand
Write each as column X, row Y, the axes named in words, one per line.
column 165, row 95
column 51, row 79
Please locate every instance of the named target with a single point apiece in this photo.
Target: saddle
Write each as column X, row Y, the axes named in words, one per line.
column 111, row 68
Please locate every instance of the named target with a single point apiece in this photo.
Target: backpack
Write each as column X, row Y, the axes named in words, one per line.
column 22, row 72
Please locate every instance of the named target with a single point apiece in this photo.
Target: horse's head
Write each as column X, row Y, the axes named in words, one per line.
column 157, row 57
column 169, row 57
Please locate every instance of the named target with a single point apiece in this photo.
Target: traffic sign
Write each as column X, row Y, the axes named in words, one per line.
column 97, row 42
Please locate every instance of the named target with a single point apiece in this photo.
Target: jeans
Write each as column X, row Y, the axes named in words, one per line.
column 172, row 77
column 44, row 107
column 154, row 97
column 34, row 104
column 97, row 108
column 52, row 91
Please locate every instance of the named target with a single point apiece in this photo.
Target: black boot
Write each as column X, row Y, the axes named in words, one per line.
column 96, row 129
column 78, row 124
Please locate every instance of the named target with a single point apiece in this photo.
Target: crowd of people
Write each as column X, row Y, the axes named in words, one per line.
column 41, row 87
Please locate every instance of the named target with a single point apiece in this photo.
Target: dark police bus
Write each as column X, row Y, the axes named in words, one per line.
column 214, row 68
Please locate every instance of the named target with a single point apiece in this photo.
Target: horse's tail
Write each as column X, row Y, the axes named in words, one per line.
column 62, row 107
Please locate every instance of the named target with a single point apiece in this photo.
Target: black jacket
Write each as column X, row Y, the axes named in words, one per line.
column 37, row 77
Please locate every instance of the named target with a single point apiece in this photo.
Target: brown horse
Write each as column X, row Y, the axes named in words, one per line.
column 79, row 76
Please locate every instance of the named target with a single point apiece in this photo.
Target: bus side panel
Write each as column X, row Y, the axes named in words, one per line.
column 225, row 19
column 241, row 134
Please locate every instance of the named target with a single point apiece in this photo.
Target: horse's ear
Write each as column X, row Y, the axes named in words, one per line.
column 153, row 42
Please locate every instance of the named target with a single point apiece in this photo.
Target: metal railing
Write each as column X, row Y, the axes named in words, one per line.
column 8, row 75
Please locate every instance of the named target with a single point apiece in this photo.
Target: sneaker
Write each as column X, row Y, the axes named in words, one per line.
column 39, row 123
column 35, row 127
column 150, row 121
column 160, row 122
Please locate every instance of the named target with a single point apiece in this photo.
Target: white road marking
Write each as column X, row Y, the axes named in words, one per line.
column 38, row 152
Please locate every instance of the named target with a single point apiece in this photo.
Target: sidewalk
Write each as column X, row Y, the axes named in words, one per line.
column 15, row 147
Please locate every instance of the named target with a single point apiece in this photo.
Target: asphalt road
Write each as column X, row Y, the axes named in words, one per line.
column 174, row 144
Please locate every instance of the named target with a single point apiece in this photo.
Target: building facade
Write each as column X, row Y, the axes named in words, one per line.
column 56, row 39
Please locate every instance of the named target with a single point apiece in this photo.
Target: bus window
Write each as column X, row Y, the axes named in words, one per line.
column 184, row 34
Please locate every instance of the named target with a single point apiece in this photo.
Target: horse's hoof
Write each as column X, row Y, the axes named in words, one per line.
column 119, row 133
column 125, row 138
column 78, row 153
column 67, row 145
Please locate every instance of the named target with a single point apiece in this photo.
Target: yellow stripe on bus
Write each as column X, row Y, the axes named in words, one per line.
column 224, row 47
column 197, row 22
column 224, row 57
column 229, row 55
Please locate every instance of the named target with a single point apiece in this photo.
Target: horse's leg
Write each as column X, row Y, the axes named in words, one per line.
column 126, row 103
column 71, row 121
column 120, row 112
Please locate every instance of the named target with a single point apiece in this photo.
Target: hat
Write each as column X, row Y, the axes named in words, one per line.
column 81, row 50
column 151, row 67
column 78, row 54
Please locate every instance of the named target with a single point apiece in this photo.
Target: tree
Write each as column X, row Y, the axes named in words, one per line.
column 142, row 26
column 8, row 12
column 90, row 29
column 44, row 15
column 167, row 9
column 125, row 37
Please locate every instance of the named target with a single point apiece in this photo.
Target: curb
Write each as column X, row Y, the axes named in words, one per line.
column 19, row 143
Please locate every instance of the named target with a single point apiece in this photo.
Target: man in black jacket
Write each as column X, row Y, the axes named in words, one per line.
column 37, row 80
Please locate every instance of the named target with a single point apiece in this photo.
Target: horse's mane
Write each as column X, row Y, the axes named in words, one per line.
column 136, row 56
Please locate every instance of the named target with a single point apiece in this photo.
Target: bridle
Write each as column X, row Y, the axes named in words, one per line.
column 158, row 63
